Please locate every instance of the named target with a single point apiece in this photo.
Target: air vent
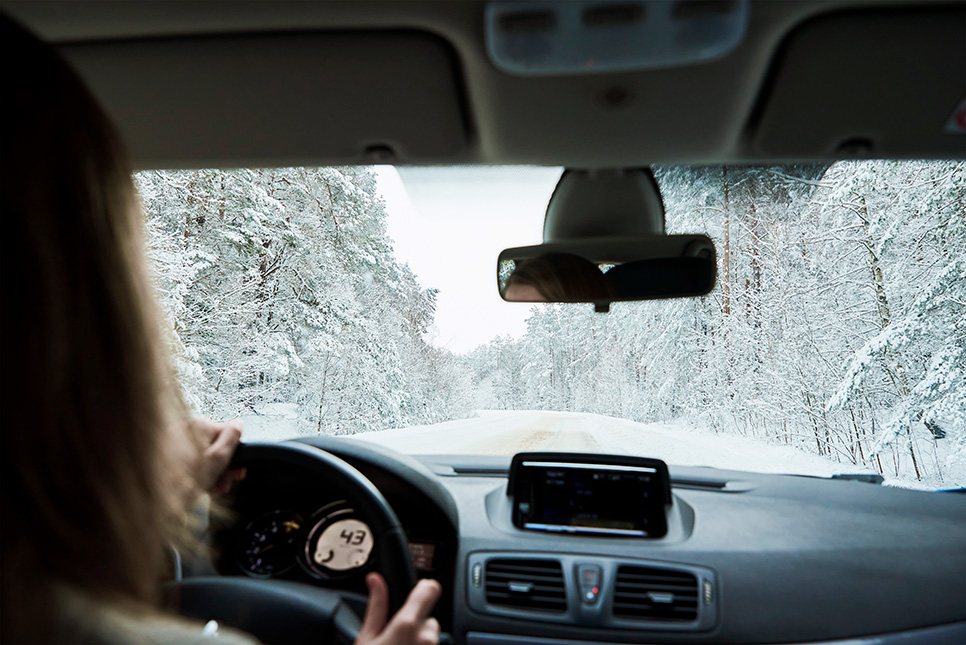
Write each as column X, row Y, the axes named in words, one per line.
column 644, row 593
column 526, row 584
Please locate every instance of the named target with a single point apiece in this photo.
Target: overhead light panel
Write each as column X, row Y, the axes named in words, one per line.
column 544, row 37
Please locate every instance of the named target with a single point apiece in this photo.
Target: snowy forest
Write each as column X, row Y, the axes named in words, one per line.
column 838, row 324
column 281, row 287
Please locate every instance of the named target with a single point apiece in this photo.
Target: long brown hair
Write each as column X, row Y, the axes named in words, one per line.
column 91, row 461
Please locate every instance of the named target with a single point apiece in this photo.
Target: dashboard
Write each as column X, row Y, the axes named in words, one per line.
column 739, row 557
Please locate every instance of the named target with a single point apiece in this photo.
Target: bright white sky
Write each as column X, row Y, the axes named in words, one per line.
column 450, row 224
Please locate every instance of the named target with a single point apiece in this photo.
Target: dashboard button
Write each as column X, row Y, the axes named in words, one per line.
column 589, row 575
column 589, row 581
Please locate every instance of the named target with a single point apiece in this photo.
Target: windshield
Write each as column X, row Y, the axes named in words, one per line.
column 363, row 301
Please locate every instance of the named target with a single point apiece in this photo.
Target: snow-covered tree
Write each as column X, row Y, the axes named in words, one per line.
column 282, row 287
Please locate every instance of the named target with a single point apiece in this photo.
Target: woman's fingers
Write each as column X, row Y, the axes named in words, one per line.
column 408, row 621
column 411, row 624
column 429, row 634
column 377, row 611
column 226, row 438
column 221, row 440
column 227, row 479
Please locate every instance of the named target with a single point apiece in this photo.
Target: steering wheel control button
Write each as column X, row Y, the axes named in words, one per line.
column 589, row 579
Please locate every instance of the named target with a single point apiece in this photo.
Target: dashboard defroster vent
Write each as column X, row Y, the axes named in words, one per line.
column 536, row 585
column 643, row 593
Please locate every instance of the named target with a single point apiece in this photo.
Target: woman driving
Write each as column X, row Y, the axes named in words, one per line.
column 100, row 459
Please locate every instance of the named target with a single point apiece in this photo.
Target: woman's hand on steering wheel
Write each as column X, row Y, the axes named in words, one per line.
column 220, row 441
column 411, row 624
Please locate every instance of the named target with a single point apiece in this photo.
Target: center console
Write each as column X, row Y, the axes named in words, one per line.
column 598, row 514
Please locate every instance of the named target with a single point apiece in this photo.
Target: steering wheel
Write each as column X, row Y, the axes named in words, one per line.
column 280, row 611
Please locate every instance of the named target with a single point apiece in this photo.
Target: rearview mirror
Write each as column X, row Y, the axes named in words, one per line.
column 602, row 270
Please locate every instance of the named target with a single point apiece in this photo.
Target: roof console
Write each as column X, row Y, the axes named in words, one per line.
column 543, row 37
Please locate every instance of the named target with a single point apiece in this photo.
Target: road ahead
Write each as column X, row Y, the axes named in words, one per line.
column 493, row 433
column 509, row 432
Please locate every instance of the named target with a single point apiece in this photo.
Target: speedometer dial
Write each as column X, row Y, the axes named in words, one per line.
column 343, row 545
column 269, row 545
column 338, row 543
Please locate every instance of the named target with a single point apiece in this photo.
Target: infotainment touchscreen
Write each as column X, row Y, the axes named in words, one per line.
column 595, row 494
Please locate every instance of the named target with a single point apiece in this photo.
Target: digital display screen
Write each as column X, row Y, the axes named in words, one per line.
column 611, row 499
column 422, row 554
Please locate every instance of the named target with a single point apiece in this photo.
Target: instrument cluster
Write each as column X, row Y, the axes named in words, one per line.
column 333, row 543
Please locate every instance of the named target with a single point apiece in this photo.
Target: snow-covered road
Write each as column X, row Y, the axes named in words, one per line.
column 509, row 432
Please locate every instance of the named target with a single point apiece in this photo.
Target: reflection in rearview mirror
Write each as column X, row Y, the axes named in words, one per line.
column 554, row 277
column 604, row 270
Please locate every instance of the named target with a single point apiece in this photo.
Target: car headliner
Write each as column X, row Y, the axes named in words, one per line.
column 254, row 83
